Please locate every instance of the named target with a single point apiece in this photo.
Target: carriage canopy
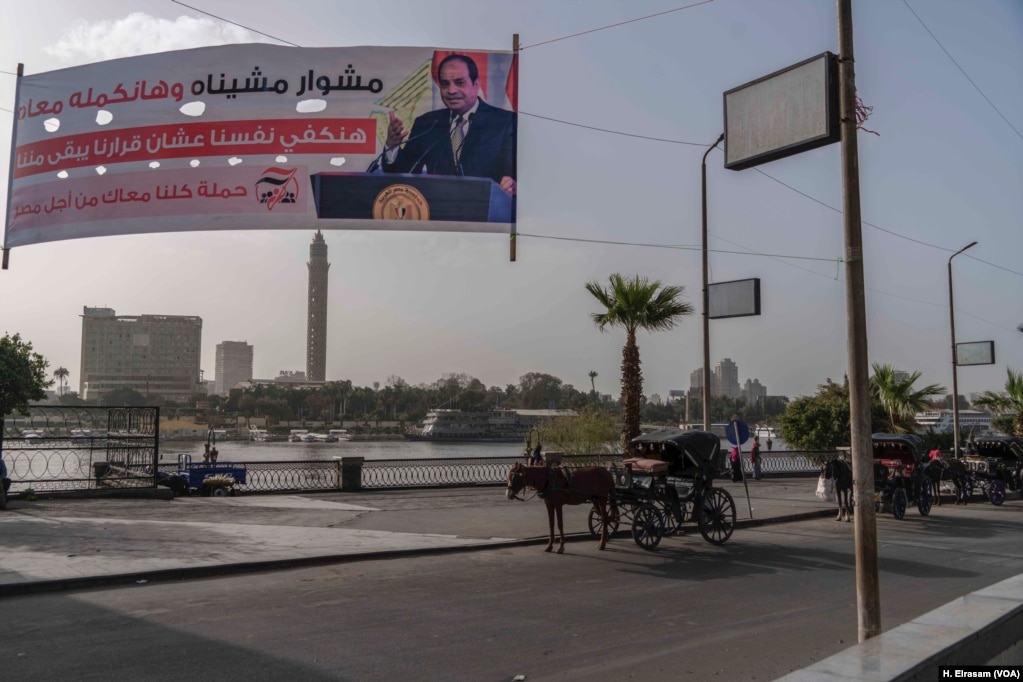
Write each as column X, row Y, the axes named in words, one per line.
column 685, row 450
column 1006, row 448
column 905, row 448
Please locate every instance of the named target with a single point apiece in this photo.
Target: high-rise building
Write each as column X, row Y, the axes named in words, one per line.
column 152, row 354
column 234, row 364
column 754, row 391
column 316, row 322
column 726, row 379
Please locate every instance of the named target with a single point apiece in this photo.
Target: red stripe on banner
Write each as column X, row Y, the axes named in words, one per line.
column 194, row 140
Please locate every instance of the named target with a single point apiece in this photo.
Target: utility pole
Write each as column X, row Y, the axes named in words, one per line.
column 868, row 598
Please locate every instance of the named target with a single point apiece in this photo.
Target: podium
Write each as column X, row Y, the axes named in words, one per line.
column 386, row 196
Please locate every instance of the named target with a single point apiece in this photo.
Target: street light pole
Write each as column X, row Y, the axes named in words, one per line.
column 706, row 295
column 955, row 373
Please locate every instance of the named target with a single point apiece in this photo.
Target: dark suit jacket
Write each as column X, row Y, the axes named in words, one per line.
column 487, row 152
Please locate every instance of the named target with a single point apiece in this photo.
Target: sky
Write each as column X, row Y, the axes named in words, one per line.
column 596, row 196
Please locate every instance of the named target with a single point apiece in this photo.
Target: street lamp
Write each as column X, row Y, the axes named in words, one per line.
column 955, row 376
column 706, row 295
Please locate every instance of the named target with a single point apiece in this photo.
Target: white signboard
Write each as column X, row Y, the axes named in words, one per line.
column 784, row 113
column 739, row 298
column 975, row 353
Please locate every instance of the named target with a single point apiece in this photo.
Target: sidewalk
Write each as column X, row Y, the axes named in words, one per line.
column 56, row 544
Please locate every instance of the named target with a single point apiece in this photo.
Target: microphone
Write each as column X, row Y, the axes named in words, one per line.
column 375, row 166
column 422, row 158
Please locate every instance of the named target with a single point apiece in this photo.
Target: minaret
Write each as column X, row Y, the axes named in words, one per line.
column 316, row 324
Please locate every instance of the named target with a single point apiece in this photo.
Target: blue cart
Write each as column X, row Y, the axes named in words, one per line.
column 211, row 479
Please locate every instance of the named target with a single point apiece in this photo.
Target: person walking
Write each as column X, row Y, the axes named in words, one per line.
column 754, row 458
column 736, row 459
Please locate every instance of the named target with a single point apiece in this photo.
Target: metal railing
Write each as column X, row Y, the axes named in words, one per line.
column 61, row 449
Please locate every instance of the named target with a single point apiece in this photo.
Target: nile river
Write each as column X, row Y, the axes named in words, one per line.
column 246, row 451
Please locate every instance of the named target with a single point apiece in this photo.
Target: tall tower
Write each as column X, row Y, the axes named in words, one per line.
column 316, row 323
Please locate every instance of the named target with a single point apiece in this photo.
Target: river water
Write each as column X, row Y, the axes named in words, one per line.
column 246, row 451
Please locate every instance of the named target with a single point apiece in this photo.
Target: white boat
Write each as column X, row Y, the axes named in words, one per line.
column 940, row 421
column 340, row 434
column 493, row 426
column 262, row 436
column 319, row 438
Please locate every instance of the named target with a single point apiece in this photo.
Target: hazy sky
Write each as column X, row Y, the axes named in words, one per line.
column 945, row 169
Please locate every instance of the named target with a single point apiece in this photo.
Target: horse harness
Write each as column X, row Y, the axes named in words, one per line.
column 551, row 486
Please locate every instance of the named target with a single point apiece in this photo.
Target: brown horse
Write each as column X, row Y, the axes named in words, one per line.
column 558, row 486
column 953, row 470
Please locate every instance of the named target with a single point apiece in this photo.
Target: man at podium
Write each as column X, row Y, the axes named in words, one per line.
column 467, row 138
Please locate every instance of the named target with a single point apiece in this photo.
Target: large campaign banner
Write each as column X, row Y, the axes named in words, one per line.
column 266, row 137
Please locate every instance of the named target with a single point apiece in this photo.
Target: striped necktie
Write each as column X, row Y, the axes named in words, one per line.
column 457, row 138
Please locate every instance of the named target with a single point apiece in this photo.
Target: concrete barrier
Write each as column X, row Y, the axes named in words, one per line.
column 982, row 628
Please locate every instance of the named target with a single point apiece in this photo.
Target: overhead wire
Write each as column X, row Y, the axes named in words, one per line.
column 620, row 23
column 962, row 70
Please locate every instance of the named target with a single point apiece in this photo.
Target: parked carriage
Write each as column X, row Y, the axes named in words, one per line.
column 669, row 485
column 995, row 465
column 899, row 477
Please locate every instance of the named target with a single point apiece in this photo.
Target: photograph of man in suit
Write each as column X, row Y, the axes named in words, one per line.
column 467, row 138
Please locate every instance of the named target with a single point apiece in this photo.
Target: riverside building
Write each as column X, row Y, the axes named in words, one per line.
column 151, row 354
column 234, row 365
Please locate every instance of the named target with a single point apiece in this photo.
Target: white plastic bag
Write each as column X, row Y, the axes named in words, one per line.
column 825, row 489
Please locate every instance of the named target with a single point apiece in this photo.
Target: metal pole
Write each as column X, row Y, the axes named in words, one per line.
column 955, row 363
column 706, row 295
column 868, row 598
column 512, row 243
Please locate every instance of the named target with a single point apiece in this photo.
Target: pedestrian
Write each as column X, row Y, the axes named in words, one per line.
column 536, row 459
column 769, row 443
column 934, row 454
column 736, row 461
column 754, row 457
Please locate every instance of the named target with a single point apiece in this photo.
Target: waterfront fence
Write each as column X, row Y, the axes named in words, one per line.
column 59, row 449
column 73, row 449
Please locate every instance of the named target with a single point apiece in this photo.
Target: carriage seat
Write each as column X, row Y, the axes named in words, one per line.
column 647, row 466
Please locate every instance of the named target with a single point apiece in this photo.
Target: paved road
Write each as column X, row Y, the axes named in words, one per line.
column 773, row 599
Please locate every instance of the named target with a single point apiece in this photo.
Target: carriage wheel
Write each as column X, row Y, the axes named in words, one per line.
column 716, row 516
column 613, row 519
column 671, row 526
column 899, row 503
column 924, row 503
column 646, row 527
column 996, row 493
column 219, row 492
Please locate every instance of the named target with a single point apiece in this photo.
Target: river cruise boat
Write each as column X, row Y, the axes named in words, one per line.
column 493, row 426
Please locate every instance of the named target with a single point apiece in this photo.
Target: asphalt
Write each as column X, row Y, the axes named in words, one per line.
column 53, row 544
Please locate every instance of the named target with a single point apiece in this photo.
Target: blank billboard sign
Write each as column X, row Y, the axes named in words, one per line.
column 739, row 298
column 975, row 353
column 784, row 113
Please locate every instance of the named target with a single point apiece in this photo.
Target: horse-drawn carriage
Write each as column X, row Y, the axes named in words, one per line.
column 899, row 474
column 995, row 465
column 669, row 485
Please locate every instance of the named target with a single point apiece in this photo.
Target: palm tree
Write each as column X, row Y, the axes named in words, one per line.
column 636, row 303
column 593, row 386
column 895, row 391
column 61, row 374
column 1008, row 402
